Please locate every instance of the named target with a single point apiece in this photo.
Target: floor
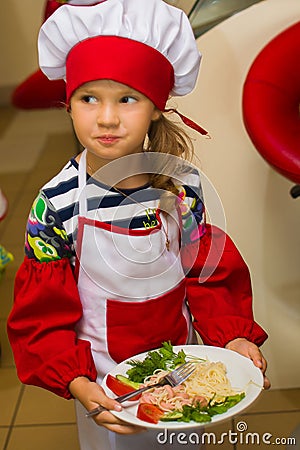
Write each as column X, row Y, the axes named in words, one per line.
column 33, row 147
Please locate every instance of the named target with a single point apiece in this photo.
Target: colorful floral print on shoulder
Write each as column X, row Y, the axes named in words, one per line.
column 192, row 216
column 46, row 239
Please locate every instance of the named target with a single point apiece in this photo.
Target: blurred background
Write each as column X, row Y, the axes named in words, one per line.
column 261, row 215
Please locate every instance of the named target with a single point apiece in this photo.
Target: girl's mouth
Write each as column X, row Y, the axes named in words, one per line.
column 108, row 139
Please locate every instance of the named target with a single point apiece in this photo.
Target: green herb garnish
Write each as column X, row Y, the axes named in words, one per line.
column 165, row 359
column 229, row 402
column 189, row 413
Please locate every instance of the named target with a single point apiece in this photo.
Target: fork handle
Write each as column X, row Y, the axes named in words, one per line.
column 121, row 399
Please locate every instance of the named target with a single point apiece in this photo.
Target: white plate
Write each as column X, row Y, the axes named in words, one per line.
column 242, row 373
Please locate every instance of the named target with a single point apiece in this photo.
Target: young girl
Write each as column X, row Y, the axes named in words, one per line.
column 108, row 272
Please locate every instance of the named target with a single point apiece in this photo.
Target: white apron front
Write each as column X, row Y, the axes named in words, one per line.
column 133, row 296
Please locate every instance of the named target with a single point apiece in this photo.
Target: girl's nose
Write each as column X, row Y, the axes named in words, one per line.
column 108, row 115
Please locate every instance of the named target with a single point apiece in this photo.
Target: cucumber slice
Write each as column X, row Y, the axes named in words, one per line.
column 128, row 382
column 173, row 415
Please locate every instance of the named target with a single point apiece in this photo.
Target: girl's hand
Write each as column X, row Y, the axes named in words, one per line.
column 250, row 350
column 91, row 395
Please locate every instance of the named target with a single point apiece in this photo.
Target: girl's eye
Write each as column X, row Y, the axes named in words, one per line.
column 89, row 99
column 128, row 99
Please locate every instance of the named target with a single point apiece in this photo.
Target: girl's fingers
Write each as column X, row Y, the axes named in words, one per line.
column 260, row 362
column 257, row 358
column 112, row 423
column 250, row 350
column 267, row 383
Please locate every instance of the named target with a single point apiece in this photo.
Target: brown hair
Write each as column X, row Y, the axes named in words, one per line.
column 167, row 136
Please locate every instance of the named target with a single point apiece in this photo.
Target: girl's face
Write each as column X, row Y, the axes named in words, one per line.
column 111, row 119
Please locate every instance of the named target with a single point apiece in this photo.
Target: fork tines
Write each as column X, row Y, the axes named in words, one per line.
column 180, row 374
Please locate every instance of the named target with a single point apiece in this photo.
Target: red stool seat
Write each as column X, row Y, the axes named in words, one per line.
column 271, row 99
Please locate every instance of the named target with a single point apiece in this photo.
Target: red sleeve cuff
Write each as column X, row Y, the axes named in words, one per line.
column 220, row 331
column 56, row 374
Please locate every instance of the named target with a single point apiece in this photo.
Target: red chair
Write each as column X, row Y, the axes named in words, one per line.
column 271, row 98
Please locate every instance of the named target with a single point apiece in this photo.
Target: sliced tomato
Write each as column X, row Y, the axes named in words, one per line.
column 119, row 388
column 149, row 413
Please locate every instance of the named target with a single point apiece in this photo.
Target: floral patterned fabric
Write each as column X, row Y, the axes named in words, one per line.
column 46, row 239
column 192, row 216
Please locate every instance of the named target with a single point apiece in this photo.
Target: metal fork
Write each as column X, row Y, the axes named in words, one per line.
column 174, row 378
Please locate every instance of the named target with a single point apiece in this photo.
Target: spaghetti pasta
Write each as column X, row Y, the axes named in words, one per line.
column 210, row 381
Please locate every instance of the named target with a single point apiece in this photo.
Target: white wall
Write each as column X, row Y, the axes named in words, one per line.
column 261, row 216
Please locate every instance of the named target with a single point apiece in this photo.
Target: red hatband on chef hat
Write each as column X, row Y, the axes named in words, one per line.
column 153, row 75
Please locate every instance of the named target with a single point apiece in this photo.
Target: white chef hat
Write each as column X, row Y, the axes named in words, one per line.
column 146, row 44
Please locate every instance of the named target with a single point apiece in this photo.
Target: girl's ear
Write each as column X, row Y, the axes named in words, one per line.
column 156, row 114
column 68, row 108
